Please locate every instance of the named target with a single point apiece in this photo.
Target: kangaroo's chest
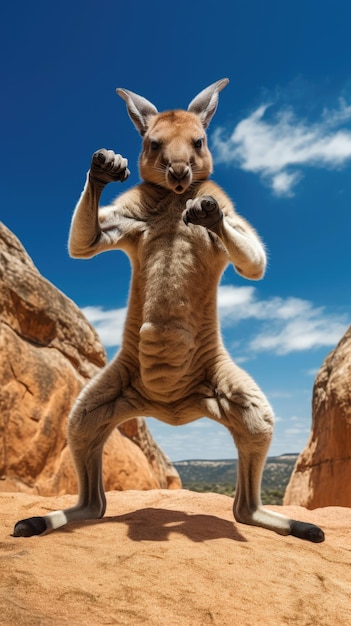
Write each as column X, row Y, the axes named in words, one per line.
column 173, row 256
column 179, row 271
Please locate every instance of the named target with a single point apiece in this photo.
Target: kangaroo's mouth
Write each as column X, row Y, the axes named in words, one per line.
column 178, row 188
column 178, row 178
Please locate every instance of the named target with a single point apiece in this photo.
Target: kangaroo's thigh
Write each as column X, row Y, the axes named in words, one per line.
column 103, row 403
column 243, row 406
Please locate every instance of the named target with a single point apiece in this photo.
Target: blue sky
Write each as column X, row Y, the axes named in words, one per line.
column 281, row 140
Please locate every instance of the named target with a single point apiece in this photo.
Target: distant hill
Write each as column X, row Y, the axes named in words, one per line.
column 220, row 476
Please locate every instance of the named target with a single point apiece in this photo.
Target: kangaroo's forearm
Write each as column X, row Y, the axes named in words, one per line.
column 244, row 248
column 85, row 229
column 86, row 237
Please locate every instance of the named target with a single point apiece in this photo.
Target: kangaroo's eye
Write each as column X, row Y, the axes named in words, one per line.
column 154, row 145
column 198, row 143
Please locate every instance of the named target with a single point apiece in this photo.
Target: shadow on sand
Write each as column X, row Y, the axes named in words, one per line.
column 154, row 524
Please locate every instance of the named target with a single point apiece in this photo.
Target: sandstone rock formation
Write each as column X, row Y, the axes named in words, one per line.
column 174, row 558
column 48, row 351
column 137, row 431
column 322, row 473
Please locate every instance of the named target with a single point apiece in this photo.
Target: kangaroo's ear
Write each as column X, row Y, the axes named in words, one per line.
column 205, row 103
column 140, row 110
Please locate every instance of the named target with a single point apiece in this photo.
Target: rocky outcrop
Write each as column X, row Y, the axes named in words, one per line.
column 48, row 351
column 137, row 431
column 174, row 558
column 322, row 473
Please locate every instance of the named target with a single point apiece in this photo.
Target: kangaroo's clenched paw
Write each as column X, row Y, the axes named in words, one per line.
column 202, row 211
column 107, row 167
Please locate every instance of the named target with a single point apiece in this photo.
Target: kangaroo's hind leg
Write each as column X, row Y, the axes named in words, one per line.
column 249, row 417
column 100, row 407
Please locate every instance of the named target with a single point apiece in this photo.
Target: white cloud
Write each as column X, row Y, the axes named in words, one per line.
column 338, row 116
column 283, row 183
column 288, row 324
column 312, row 372
column 277, row 148
column 297, row 426
column 310, row 330
column 283, row 325
column 279, row 394
column 234, row 302
column 109, row 324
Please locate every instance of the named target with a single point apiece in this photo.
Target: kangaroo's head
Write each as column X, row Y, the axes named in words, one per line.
column 175, row 152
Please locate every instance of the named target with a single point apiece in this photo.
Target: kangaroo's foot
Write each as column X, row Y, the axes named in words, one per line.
column 277, row 522
column 29, row 527
column 310, row 532
column 38, row 525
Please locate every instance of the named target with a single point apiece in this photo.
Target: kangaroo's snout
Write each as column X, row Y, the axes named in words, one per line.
column 179, row 177
column 179, row 171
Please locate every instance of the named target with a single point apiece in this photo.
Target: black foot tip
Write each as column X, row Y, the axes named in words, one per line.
column 29, row 527
column 310, row 532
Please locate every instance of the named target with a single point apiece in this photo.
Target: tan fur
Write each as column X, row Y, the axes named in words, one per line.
column 172, row 364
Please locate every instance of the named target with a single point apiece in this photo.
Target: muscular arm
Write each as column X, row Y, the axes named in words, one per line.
column 90, row 235
column 216, row 213
column 244, row 247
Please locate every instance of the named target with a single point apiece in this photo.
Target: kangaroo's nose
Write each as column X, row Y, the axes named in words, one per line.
column 179, row 171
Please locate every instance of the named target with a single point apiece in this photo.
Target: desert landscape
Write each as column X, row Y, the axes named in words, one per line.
column 162, row 555
column 172, row 557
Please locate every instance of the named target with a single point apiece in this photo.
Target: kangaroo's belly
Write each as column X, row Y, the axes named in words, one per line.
column 165, row 356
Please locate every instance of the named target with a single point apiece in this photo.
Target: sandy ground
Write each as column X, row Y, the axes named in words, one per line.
column 172, row 558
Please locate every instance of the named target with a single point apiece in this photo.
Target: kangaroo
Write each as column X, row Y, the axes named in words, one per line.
column 180, row 230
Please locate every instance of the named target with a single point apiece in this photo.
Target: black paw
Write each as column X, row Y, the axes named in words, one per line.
column 202, row 211
column 107, row 167
column 310, row 532
column 29, row 527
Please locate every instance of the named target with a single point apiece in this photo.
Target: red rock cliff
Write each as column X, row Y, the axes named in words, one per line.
column 322, row 473
column 48, row 351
